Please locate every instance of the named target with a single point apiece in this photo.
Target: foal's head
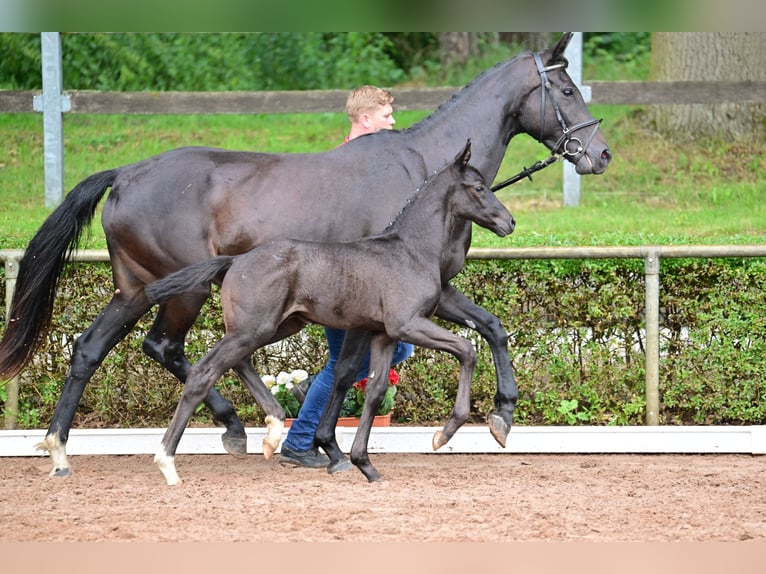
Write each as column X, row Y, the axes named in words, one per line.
column 471, row 196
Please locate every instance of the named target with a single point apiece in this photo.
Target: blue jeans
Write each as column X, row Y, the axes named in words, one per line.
column 300, row 437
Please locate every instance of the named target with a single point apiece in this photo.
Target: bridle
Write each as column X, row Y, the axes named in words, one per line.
column 567, row 144
column 563, row 143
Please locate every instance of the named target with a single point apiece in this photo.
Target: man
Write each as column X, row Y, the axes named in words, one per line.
column 369, row 110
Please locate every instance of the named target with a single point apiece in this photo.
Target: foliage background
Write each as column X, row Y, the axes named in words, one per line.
column 267, row 60
column 576, row 342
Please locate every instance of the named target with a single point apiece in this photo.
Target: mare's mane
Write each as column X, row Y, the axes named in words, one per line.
column 447, row 106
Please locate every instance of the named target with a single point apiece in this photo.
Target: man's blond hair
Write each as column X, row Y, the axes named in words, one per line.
column 366, row 99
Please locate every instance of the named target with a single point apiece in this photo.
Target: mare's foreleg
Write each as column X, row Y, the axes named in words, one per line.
column 110, row 327
column 352, row 353
column 165, row 344
column 381, row 353
column 229, row 352
column 457, row 308
column 424, row 333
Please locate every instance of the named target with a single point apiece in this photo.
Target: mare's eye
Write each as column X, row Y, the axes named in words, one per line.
column 568, row 92
column 479, row 188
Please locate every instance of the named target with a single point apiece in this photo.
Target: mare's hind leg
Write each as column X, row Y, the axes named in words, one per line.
column 352, row 353
column 457, row 308
column 110, row 327
column 165, row 344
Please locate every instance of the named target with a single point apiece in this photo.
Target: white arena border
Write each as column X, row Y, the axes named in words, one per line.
column 409, row 439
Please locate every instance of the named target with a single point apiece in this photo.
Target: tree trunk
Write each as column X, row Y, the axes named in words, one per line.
column 457, row 47
column 532, row 41
column 732, row 56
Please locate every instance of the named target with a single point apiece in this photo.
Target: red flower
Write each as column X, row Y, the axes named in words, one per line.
column 393, row 379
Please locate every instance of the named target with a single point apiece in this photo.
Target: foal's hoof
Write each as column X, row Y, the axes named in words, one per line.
column 234, row 445
column 338, row 466
column 61, row 472
column 499, row 428
column 439, row 440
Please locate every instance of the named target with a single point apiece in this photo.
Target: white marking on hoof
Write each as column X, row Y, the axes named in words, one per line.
column 57, row 451
column 438, row 440
column 273, row 436
column 167, row 467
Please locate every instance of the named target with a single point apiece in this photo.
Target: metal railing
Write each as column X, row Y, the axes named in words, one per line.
column 651, row 254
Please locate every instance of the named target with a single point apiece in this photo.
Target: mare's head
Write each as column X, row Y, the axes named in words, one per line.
column 555, row 113
column 471, row 197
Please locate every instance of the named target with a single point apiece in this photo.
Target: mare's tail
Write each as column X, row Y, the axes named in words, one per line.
column 187, row 279
column 40, row 269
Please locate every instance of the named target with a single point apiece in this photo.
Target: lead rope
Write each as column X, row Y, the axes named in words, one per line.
column 528, row 171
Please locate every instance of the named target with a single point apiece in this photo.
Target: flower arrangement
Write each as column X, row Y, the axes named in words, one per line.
column 281, row 387
column 354, row 402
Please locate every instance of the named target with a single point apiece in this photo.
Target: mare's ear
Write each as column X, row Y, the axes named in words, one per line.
column 557, row 52
column 464, row 156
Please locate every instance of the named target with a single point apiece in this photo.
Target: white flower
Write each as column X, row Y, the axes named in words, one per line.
column 283, row 379
column 269, row 381
column 274, row 389
column 299, row 375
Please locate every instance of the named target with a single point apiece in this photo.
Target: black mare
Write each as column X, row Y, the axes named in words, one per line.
column 388, row 284
column 190, row 204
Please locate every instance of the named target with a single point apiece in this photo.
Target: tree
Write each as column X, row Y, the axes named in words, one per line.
column 729, row 56
column 457, row 47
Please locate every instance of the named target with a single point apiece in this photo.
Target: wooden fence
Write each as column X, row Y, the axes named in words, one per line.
column 321, row 101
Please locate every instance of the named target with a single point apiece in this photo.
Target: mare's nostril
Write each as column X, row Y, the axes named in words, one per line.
column 606, row 155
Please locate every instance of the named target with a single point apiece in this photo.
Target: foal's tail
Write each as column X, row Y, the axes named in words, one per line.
column 187, row 279
column 40, row 269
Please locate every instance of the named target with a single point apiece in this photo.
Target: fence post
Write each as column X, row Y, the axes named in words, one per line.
column 52, row 104
column 573, row 54
column 652, row 319
column 11, row 386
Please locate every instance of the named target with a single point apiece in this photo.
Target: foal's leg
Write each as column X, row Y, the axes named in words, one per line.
column 424, row 333
column 165, row 344
column 275, row 414
column 352, row 353
column 381, row 353
column 228, row 352
column 457, row 308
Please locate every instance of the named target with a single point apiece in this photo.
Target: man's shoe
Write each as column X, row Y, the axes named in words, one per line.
column 299, row 391
column 311, row 458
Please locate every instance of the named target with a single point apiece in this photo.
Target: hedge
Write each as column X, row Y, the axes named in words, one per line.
column 576, row 341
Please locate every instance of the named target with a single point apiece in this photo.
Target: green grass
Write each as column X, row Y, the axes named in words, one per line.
column 655, row 191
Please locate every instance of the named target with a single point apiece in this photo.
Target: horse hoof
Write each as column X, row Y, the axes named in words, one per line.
column 234, row 446
column 499, row 428
column 438, row 440
column 268, row 450
column 339, row 466
column 61, row 472
column 375, row 476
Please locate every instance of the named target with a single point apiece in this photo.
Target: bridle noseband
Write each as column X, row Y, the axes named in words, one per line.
column 567, row 144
